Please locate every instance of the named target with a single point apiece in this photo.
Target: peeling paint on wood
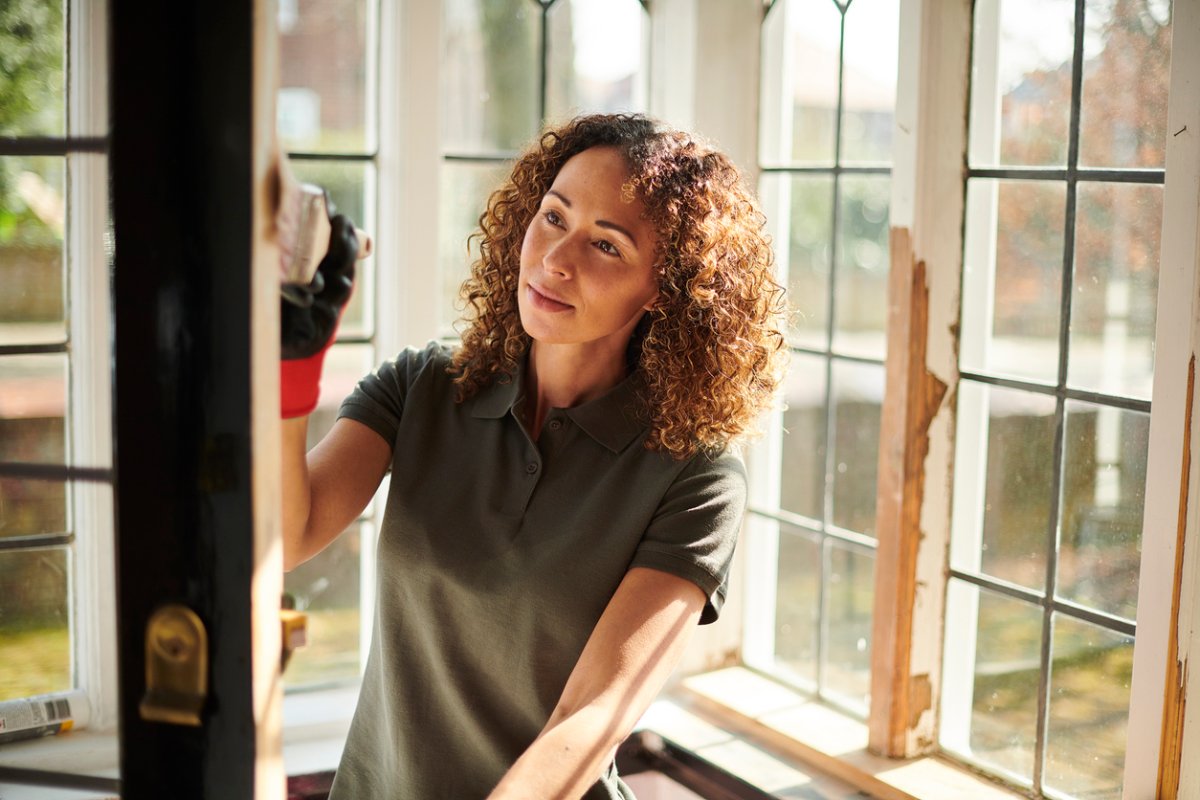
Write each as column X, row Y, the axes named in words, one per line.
column 904, row 446
column 1174, row 699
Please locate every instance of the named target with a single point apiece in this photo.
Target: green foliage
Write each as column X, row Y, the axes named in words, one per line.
column 31, row 66
column 31, row 100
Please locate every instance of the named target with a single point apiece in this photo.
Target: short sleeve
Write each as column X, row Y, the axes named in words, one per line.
column 695, row 528
column 379, row 398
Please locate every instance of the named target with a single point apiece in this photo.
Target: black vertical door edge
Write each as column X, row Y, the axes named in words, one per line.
column 181, row 84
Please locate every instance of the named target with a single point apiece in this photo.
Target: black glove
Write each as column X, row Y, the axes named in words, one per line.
column 309, row 316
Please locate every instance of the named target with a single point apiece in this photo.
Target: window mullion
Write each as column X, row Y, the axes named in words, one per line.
column 916, row 438
column 1163, row 750
column 90, row 395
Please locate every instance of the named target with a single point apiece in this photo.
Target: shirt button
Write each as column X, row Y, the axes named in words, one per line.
column 531, row 467
column 555, row 424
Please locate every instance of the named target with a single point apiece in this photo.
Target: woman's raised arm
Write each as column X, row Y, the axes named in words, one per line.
column 326, row 489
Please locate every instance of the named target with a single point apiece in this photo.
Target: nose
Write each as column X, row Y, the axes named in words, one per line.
column 560, row 257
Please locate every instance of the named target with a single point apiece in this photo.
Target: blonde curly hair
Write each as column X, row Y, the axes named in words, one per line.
column 711, row 352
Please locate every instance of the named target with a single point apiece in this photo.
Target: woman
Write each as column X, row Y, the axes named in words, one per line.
column 564, row 496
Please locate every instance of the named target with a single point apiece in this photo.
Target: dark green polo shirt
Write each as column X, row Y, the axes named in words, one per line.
column 497, row 556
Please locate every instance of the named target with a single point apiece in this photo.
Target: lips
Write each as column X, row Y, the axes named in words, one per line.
column 547, row 300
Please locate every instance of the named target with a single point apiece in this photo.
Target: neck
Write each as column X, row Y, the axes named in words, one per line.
column 563, row 377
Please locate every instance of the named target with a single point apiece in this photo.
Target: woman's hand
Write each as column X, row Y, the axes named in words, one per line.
column 309, row 317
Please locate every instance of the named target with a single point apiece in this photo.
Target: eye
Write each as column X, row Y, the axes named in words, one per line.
column 553, row 218
column 607, row 247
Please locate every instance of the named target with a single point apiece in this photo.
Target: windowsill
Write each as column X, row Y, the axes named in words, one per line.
column 812, row 736
column 740, row 721
column 315, row 726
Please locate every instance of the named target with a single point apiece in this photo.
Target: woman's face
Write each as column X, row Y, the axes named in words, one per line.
column 587, row 258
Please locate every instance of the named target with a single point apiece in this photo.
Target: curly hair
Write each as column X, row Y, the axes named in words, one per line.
column 710, row 353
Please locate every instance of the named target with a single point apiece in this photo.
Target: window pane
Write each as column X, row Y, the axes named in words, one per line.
column 798, row 603
column 35, row 637
column 1104, row 477
column 1021, row 81
column 350, row 187
column 1004, row 470
column 1117, row 232
column 802, row 484
column 869, row 80
column 807, row 35
column 327, row 589
column 596, row 57
column 32, row 215
column 857, row 403
column 32, row 83
column 323, row 99
column 1123, row 115
column 993, row 658
column 800, row 214
column 1089, row 709
column 30, row 508
column 490, row 81
column 849, row 598
column 863, row 260
column 1012, row 281
column 345, row 365
column 465, row 190
column 33, row 401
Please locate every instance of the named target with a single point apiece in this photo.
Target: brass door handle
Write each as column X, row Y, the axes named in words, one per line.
column 176, row 666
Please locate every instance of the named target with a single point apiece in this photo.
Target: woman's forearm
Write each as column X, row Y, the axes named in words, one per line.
column 567, row 758
column 297, row 498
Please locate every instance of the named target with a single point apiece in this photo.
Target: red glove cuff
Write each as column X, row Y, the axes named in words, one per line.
column 300, row 385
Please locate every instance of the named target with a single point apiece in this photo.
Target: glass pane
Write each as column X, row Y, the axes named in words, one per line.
column 1117, row 232
column 798, row 602
column 35, row 636
column 857, row 403
column 32, row 83
column 33, row 402
column 350, row 185
column 327, row 589
column 1104, row 477
column 345, row 365
column 596, row 57
column 1004, row 470
column 490, row 75
column 465, row 190
column 32, row 216
column 849, row 599
column 998, row 661
column 871, row 56
column 803, row 263
column 802, row 479
column 807, row 86
column 1123, row 115
column 1012, row 282
column 30, row 508
column 322, row 102
column 863, row 260
column 1021, row 81
column 1089, row 709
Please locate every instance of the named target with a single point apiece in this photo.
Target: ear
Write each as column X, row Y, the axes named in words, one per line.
column 654, row 301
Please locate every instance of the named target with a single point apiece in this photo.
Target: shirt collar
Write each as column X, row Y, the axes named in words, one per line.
column 611, row 419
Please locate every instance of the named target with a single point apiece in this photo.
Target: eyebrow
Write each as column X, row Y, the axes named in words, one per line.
column 603, row 223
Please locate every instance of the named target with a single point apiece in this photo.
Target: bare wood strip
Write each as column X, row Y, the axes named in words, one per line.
column 904, row 445
column 1174, row 697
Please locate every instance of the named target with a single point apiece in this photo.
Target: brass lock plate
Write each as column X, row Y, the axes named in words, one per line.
column 176, row 666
